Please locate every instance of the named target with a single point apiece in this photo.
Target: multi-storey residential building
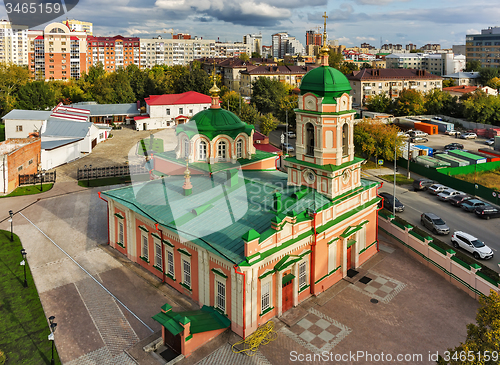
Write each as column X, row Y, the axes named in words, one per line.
column 411, row 47
column 292, row 75
column 431, row 47
column 57, row 53
column 484, row 47
column 279, row 44
column 79, row 26
column 254, row 41
column 13, row 43
column 368, row 82
column 113, row 52
column 294, row 47
column 231, row 49
column 437, row 63
column 314, row 38
column 267, row 51
column 463, row 78
column 392, row 47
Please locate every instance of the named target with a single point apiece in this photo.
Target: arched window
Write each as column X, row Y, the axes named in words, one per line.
column 186, row 148
column 202, row 150
column 309, row 139
column 239, row 149
column 221, row 150
column 345, row 139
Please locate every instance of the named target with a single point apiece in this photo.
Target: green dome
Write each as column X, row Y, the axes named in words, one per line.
column 323, row 80
column 212, row 122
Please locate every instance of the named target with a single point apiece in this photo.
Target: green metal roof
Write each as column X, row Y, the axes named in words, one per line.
column 329, row 168
column 202, row 320
column 468, row 155
column 213, row 122
column 325, row 81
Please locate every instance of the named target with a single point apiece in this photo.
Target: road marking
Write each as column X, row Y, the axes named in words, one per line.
column 86, row 272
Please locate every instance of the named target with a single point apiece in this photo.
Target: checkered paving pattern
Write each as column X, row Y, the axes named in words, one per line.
column 317, row 332
column 380, row 287
column 224, row 355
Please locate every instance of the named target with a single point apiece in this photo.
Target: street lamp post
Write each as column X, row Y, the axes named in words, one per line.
column 23, row 263
column 41, row 174
column 394, row 187
column 53, row 327
column 11, row 213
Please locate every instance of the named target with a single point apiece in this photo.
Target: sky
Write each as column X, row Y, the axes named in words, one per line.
column 351, row 22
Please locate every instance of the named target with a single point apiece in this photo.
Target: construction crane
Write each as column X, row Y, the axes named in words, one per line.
column 171, row 31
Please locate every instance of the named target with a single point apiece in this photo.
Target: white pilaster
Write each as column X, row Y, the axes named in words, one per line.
column 111, row 209
column 279, row 293
column 201, row 276
column 295, row 270
column 344, row 257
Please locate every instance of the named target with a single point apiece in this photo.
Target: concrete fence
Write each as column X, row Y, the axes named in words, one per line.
column 466, row 277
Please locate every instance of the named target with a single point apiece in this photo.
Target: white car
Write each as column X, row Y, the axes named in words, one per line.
column 448, row 193
column 490, row 142
column 417, row 134
column 290, row 134
column 471, row 244
column 452, row 132
column 436, row 189
column 468, row 135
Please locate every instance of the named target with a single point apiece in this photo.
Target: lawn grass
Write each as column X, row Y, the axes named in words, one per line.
column 23, row 325
column 400, row 179
column 112, row 180
column 490, row 179
column 2, row 132
column 29, row 190
column 144, row 145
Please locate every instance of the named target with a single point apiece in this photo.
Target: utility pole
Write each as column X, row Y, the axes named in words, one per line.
column 408, row 167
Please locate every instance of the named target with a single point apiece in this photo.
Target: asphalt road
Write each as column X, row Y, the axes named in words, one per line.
column 456, row 218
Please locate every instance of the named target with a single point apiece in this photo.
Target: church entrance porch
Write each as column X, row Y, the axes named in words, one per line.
column 351, row 264
column 287, row 291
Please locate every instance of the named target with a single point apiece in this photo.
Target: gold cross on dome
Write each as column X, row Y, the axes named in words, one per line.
column 324, row 29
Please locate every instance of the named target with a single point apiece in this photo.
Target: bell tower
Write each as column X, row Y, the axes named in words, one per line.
column 325, row 122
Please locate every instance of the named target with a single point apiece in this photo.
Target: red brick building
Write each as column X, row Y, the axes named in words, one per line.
column 18, row 156
column 113, row 52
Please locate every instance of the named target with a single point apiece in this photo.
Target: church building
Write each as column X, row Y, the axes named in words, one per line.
column 248, row 244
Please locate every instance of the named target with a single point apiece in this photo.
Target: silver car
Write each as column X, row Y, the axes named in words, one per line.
column 434, row 223
column 448, row 193
column 436, row 189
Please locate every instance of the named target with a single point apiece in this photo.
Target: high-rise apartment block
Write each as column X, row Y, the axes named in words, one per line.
column 57, row 53
column 484, row 47
column 314, row 38
column 79, row 26
column 279, row 44
column 231, row 49
column 113, row 52
column 13, row 43
column 255, row 43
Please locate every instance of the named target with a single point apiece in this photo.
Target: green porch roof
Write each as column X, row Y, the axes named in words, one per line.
column 202, row 320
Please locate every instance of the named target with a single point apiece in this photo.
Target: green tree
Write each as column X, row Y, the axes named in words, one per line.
column 380, row 103
column 231, row 101
column 244, row 57
column 267, row 93
column 192, row 78
column 482, row 108
column 486, row 74
column 365, row 65
column 372, row 138
column 409, row 102
column 267, row 124
column 483, row 337
column 95, row 72
column 67, row 92
column 347, row 67
column 12, row 78
column 335, row 59
column 256, row 55
column 249, row 114
column 140, row 82
column 36, row 95
column 449, row 83
column 435, row 101
column 471, row 66
column 286, row 106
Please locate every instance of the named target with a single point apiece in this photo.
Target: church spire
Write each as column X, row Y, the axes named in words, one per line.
column 188, row 187
column 214, row 92
column 324, row 50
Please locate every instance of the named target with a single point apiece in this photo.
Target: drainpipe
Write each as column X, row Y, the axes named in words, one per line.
column 244, row 296
column 162, row 257
column 313, row 260
column 376, row 220
column 107, row 211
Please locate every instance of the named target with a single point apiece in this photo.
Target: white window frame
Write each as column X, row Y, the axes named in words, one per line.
column 222, row 151
column 239, row 148
column 361, row 239
column 266, row 282
column 332, row 256
column 220, row 281
column 145, row 248
column 202, row 150
column 158, row 249
column 121, row 232
column 186, row 260
column 303, row 276
column 170, row 261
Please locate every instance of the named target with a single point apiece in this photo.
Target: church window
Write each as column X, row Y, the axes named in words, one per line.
column 239, row 149
column 265, row 296
column 302, row 274
column 202, row 150
column 222, row 149
column 345, row 139
column 309, row 139
column 186, row 148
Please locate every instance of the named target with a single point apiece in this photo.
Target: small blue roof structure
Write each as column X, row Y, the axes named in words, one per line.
column 65, row 128
column 109, row 109
column 52, row 145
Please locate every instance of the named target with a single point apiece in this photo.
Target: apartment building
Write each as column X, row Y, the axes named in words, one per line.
column 79, row 26
column 279, row 44
column 13, row 43
column 255, row 43
column 436, row 63
column 391, row 82
column 57, row 53
column 484, row 47
column 314, row 38
column 113, row 52
column 231, row 49
column 291, row 75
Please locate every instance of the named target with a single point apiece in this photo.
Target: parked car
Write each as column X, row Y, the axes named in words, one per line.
column 468, row 135
column 287, row 147
column 454, row 146
column 471, row 244
column 417, row 133
column 490, row 142
column 418, row 140
column 459, row 199
column 452, row 132
column 436, row 188
column 448, row 193
column 487, row 212
column 404, row 135
column 434, row 223
column 422, row 184
column 387, row 202
column 290, row 135
column 471, row 204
